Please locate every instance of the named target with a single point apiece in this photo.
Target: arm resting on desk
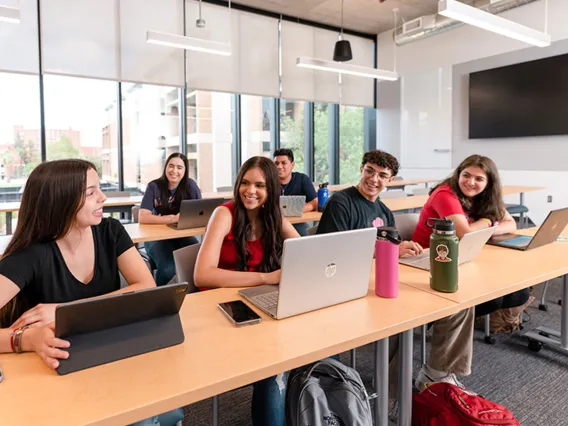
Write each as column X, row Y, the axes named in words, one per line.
column 146, row 217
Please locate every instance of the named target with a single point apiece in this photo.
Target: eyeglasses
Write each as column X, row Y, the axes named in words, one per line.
column 369, row 171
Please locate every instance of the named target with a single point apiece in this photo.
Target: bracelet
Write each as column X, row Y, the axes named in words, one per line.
column 18, row 339
column 489, row 223
column 12, row 341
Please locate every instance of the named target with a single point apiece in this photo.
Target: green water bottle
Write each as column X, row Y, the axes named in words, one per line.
column 444, row 254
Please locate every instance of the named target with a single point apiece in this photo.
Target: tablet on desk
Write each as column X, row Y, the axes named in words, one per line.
column 110, row 328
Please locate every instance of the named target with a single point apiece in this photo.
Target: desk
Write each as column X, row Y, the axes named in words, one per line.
column 125, row 391
column 498, row 271
column 124, row 204
column 142, row 233
column 395, row 183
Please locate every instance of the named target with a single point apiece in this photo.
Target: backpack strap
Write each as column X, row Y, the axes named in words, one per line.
column 327, row 368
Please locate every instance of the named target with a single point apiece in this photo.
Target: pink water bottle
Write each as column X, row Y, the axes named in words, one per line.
column 386, row 262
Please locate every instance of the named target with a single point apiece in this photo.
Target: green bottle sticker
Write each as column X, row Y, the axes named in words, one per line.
column 442, row 251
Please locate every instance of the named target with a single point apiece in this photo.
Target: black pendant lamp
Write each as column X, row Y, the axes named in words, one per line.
column 342, row 51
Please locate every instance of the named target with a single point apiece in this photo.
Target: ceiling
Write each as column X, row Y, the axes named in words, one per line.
column 366, row 16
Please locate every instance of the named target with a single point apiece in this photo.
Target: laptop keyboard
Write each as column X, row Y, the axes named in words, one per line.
column 418, row 258
column 267, row 301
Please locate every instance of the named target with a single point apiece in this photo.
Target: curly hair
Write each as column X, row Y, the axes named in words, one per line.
column 381, row 159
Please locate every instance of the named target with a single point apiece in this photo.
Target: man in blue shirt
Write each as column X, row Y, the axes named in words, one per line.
column 294, row 183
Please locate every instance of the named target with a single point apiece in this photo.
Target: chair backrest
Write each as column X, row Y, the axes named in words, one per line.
column 135, row 213
column 405, row 224
column 113, row 194
column 312, row 230
column 420, row 191
column 184, row 259
column 393, row 194
column 224, row 189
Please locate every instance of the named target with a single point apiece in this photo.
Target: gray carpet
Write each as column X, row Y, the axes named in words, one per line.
column 534, row 386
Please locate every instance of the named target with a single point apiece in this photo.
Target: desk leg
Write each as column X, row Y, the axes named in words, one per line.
column 353, row 359
column 215, row 410
column 8, row 223
column 522, row 216
column 405, row 379
column 564, row 319
column 549, row 336
column 382, row 382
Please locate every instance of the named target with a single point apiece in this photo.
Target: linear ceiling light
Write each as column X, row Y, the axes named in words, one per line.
column 189, row 43
column 490, row 22
column 9, row 14
column 344, row 68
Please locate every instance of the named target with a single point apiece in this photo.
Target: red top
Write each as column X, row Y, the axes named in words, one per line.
column 228, row 255
column 442, row 203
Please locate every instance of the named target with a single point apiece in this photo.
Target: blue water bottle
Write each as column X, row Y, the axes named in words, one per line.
column 323, row 193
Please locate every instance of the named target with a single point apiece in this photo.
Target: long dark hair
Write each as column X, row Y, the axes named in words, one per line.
column 489, row 203
column 269, row 214
column 54, row 193
column 182, row 191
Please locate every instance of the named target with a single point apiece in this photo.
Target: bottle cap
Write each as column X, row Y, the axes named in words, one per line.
column 323, row 185
column 443, row 225
column 388, row 233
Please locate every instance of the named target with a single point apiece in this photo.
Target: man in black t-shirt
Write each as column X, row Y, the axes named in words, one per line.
column 360, row 207
column 294, row 183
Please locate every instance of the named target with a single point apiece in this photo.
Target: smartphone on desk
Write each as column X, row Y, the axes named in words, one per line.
column 239, row 313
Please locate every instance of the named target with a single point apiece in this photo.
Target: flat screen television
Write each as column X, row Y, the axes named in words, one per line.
column 526, row 99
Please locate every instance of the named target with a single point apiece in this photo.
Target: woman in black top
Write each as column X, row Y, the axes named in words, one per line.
column 63, row 250
column 161, row 204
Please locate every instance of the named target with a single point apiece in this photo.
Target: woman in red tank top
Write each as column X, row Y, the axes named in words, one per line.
column 242, row 247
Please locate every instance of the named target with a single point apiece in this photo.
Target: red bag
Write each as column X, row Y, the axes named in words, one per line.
column 444, row 404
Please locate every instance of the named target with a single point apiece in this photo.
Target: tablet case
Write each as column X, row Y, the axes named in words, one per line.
column 110, row 328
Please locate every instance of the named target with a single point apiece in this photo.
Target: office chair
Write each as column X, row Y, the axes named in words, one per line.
column 184, row 259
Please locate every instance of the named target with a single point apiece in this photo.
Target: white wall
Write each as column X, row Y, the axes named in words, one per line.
column 430, row 120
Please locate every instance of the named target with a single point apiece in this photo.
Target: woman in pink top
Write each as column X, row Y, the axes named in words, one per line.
column 242, row 247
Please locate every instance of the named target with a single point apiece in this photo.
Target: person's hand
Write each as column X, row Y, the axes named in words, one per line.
column 409, row 248
column 40, row 315
column 272, row 277
column 42, row 340
column 175, row 218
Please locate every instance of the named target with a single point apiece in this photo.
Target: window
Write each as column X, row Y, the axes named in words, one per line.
column 321, row 143
column 19, row 136
column 151, row 129
column 210, row 139
column 255, row 126
column 292, row 130
column 351, row 143
column 80, row 122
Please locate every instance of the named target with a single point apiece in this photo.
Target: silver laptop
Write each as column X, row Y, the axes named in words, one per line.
column 547, row 233
column 318, row 271
column 292, row 205
column 469, row 247
column 196, row 213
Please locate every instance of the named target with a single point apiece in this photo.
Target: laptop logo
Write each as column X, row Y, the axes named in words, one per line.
column 554, row 226
column 181, row 289
column 201, row 213
column 330, row 270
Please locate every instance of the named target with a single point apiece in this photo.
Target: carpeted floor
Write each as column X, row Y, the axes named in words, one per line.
column 534, row 386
